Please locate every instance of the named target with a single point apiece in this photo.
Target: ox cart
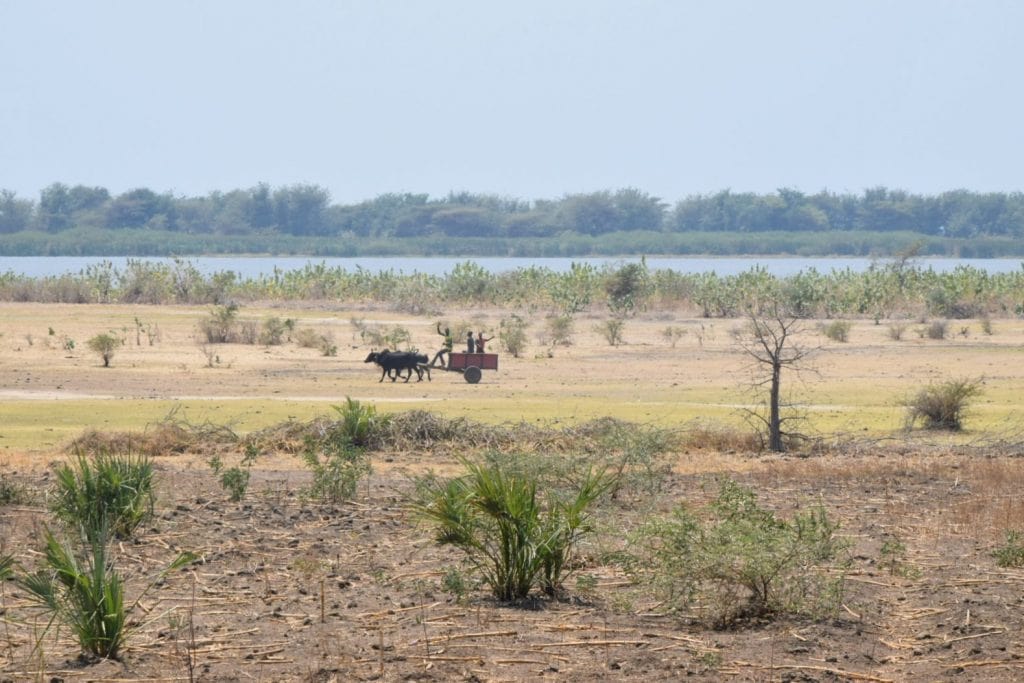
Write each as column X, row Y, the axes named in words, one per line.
column 471, row 364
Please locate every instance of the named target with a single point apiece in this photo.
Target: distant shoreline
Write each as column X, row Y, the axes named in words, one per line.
column 830, row 244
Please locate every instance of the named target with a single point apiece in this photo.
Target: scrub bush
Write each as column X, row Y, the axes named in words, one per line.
column 742, row 561
column 941, row 406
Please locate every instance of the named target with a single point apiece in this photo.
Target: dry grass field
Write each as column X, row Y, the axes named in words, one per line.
column 292, row 590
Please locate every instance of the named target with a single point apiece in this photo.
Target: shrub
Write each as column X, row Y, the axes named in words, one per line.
column 673, row 334
column 327, row 346
column 1011, row 553
column 514, row 541
column 248, row 332
column 235, row 480
column 273, row 331
column 107, row 492
column 307, row 338
column 105, row 345
column 311, row 339
column 380, row 336
column 337, row 465
column 560, row 329
column 743, row 561
column 611, row 330
column 219, row 326
column 893, row 556
column 938, row 329
column 632, row 453
column 896, row 331
column 986, row 325
column 837, row 330
column 941, row 406
column 512, row 334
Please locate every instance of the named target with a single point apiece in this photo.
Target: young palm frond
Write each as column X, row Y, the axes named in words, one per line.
column 108, row 492
column 513, row 540
column 6, row 566
column 86, row 592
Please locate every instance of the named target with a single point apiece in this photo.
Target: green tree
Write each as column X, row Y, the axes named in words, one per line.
column 301, row 209
column 142, row 207
column 15, row 214
column 54, row 208
column 627, row 288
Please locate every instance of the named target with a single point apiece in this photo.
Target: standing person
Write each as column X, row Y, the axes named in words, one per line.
column 481, row 341
column 470, row 342
column 446, row 348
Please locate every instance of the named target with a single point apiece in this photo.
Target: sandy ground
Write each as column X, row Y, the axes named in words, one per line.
column 291, row 590
column 847, row 388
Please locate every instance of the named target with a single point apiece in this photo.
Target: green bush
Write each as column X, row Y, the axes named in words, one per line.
column 219, row 326
column 743, row 561
column 273, row 331
column 105, row 345
column 107, row 491
column 1011, row 552
column 235, row 480
column 941, row 406
column 512, row 334
column 511, row 538
column 337, row 463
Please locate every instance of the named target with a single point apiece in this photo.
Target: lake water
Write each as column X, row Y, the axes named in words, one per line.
column 255, row 266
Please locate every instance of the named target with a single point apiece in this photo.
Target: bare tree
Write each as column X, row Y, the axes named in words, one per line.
column 769, row 342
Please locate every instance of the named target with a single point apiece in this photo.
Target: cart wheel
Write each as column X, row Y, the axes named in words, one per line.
column 472, row 374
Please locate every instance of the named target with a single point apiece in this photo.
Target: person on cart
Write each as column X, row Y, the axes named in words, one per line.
column 445, row 348
column 481, row 341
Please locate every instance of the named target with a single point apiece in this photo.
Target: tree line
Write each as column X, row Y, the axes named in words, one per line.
column 307, row 211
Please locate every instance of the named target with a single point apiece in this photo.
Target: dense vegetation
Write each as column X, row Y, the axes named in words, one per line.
column 887, row 290
column 301, row 219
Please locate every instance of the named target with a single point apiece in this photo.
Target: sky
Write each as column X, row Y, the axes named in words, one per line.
column 532, row 99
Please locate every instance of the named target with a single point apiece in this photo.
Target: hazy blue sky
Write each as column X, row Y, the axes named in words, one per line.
column 529, row 99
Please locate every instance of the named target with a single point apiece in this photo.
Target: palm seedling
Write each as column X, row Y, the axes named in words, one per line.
column 85, row 592
column 109, row 491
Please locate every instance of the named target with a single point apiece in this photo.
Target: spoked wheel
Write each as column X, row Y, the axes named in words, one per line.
column 472, row 374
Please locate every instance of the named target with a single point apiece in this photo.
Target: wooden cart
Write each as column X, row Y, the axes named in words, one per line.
column 471, row 364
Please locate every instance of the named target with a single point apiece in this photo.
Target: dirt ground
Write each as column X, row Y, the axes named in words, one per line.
column 290, row 590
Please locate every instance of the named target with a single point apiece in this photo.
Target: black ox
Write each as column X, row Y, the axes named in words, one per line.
column 392, row 363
